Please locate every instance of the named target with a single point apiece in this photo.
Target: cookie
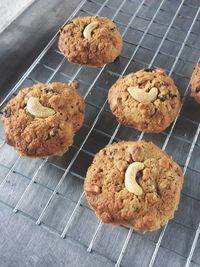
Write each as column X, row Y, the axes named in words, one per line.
column 147, row 100
column 134, row 184
column 92, row 41
column 41, row 120
column 195, row 83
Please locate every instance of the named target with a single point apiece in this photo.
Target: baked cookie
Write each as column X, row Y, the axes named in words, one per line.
column 92, row 41
column 41, row 120
column 195, row 83
column 134, row 184
column 147, row 100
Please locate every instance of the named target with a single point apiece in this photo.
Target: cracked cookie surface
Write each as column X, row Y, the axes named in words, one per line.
column 153, row 116
column 160, row 180
column 195, row 83
column 43, row 136
column 103, row 47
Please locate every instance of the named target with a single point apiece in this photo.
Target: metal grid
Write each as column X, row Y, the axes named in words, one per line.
column 49, row 191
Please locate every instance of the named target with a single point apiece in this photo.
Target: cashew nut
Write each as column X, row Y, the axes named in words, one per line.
column 87, row 33
column 142, row 96
column 130, row 178
column 37, row 110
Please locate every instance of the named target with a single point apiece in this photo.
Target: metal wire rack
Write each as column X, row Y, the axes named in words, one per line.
column 156, row 33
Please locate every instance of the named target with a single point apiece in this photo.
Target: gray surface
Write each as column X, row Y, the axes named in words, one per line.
column 42, row 245
column 10, row 10
column 23, row 243
column 25, row 38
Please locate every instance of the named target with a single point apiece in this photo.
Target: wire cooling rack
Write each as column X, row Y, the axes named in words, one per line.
column 49, row 191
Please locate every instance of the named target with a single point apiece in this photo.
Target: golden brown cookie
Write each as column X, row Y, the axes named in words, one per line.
column 41, row 120
column 147, row 100
column 195, row 83
column 92, row 41
column 134, row 184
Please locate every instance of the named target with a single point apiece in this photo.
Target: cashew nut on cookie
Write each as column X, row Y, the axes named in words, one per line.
column 130, row 178
column 87, row 33
column 37, row 109
column 143, row 96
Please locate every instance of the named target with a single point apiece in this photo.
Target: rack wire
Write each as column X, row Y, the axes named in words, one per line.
column 156, row 33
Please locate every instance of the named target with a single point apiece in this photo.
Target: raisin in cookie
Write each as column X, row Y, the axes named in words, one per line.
column 92, row 41
column 195, row 83
column 134, row 184
column 147, row 100
column 41, row 120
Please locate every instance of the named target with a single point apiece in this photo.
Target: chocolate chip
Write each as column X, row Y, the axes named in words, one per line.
column 110, row 154
column 7, row 112
column 112, row 29
column 164, row 83
column 172, row 95
column 168, row 96
column 162, row 98
column 197, row 90
column 48, row 90
column 149, row 69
